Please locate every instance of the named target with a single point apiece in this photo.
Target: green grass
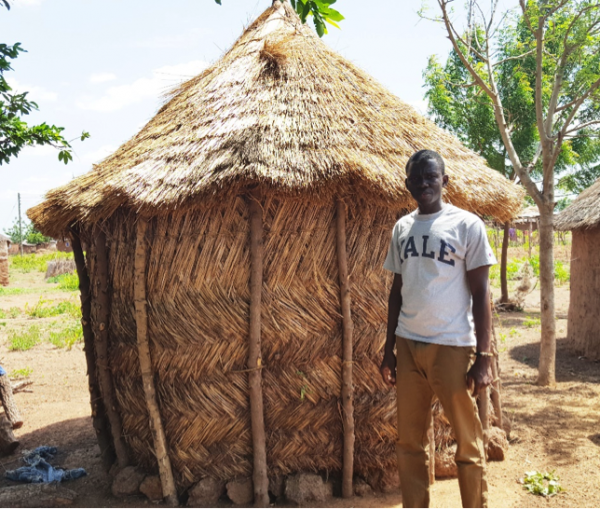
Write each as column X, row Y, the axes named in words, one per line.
column 36, row 262
column 21, row 373
column 542, row 483
column 531, row 322
column 12, row 291
column 67, row 336
column 24, row 340
column 66, row 281
column 45, row 309
column 13, row 312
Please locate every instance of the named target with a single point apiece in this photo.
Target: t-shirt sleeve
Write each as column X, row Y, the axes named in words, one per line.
column 479, row 252
column 392, row 261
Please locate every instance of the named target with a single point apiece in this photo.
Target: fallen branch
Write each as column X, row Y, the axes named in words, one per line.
column 19, row 386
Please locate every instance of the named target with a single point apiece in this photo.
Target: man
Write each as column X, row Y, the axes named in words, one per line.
column 439, row 311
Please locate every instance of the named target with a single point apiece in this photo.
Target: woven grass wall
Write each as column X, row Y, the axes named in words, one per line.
column 198, row 303
column 4, row 279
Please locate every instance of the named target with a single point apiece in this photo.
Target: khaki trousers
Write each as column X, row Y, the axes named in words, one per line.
column 425, row 369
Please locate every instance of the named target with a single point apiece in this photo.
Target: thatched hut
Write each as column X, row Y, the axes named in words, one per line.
column 4, row 245
column 235, row 251
column 582, row 217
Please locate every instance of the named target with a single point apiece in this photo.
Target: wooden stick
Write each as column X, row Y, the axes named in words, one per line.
column 8, row 402
column 20, row 386
column 99, row 418
column 101, row 343
column 483, row 400
column 431, row 437
column 259, row 476
column 496, row 384
column 141, row 319
column 347, row 389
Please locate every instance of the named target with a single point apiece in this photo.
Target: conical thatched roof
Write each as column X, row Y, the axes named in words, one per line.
column 281, row 111
column 584, row 212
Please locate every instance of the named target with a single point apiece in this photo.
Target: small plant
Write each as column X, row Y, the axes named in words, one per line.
column 43, row 309
column 21, row 373
column 12, row 291
column 68, row 336
column 531, row 322
column 66, row 281
column 561, row 273
column 14, row 312
column 541, row 483
column 24, row 340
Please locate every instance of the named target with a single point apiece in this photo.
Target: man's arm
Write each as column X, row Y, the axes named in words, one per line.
column 388, row 365
column 480, row 374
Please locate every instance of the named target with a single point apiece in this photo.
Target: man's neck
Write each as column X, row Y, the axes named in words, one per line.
column 431, row 208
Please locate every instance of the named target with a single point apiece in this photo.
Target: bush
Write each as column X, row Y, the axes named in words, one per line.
column 37, row 262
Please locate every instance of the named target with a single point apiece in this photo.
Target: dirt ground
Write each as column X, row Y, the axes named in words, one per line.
column 552, row 428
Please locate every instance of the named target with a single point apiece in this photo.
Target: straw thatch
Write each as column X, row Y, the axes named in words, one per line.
column 284, row 119
column 283, row 111
column 584, row 212
column 4, row 245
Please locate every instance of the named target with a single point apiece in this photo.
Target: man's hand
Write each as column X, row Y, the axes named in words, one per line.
column 388, row 369
column 480, row 374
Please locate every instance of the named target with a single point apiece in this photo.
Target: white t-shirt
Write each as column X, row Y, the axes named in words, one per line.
column 432, row 253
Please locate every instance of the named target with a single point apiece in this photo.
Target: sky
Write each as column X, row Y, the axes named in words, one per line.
column 104, row 67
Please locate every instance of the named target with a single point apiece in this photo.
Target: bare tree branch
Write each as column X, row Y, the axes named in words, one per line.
column 517, row 57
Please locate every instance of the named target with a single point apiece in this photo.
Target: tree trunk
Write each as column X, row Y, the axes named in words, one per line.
column 8, row 442
column 548, row 339
column 503, row 265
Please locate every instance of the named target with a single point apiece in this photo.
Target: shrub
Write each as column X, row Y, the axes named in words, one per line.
column 21, row 373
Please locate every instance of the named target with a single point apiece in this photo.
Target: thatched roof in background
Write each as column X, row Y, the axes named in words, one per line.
column 280, row 111
column 584, row 212
column 527, row 215
column 4, row 238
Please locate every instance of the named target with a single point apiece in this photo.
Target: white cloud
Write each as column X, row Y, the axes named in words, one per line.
column 102, row 77
column 97, row 155
column 37, row 94
column 162, row 79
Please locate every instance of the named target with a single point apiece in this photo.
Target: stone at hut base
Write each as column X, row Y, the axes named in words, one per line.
column 305, row 488
column 240, row 491
column 152, row 488
column 277, row 485
column 206, row 493
column 362, row 488
column 127, row 482
column 497, row 444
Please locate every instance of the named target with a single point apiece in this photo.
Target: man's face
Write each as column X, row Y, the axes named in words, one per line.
column 425, row 183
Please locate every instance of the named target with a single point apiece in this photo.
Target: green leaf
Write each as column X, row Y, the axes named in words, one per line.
column 218, row 1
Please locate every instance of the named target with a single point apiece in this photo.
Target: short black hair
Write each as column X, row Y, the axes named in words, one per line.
column 423, row 156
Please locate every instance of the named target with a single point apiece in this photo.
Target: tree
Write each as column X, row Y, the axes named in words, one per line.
column 468, row 113
column 15, row 133
column 320, row 10
column 30, row 234
column 560, row 41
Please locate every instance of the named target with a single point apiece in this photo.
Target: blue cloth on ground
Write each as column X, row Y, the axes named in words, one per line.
column 2, row 371
column 39, row 470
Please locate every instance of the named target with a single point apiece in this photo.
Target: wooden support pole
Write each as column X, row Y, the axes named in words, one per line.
column 347, row 389
column 431, row 438
column 99, row 418
column 141, row 319
column 496, row 397
column 259, row 476
column 101, row 343
column 8, row 402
